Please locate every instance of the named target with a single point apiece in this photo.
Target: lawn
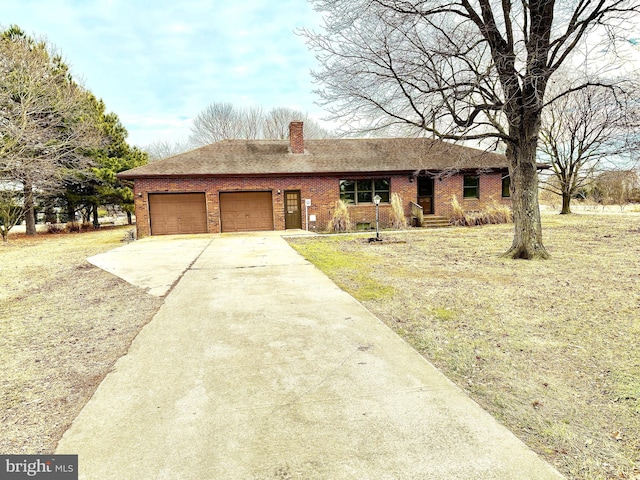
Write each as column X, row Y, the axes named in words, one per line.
column 550, row 348
column 63, row 324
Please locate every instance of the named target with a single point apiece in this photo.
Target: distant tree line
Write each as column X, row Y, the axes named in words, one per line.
column 60, row 150
column 619, row 187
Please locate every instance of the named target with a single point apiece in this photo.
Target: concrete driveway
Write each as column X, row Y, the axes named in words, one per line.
column 257, row 366
column 153, row 263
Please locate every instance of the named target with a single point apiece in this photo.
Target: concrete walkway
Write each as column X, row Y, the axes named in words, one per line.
column 258, row 367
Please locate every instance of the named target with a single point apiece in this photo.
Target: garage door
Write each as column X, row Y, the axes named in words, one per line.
column 174, row 213
column 246, row 211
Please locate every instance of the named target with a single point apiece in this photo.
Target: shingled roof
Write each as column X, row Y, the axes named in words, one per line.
column 331, row 156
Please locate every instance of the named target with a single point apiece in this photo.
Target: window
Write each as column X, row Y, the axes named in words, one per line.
column 362, row 191
column 471, row 186
column 425, row 187
column 506, row 186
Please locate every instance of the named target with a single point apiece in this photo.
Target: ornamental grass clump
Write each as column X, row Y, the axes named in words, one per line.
column 494, row 213
column 398, row 220
column 340, row 221
column 458, row 215
column 497, row 213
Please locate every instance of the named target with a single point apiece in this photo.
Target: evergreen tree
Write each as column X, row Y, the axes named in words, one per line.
column 46, row 123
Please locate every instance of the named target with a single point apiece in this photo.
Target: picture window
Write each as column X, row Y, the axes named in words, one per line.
column 355, row 192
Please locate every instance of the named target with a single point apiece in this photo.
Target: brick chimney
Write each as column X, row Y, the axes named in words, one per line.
column 296, row 137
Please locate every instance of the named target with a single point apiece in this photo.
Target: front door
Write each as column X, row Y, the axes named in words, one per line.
column 292, row 214
column 425, row 194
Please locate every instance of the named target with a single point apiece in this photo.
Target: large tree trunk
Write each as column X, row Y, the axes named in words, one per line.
column 527, row 240
column 71, row 211
column 566, row 203
column 29, row 210
column 94, row 214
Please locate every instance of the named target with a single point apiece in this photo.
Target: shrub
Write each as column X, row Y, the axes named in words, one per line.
column 72, row 227
column 492, row 214
column 54, row 228
column 398, row 220
column 129, row 236
column 458, row 215
column 497, row 213
column 340, row 221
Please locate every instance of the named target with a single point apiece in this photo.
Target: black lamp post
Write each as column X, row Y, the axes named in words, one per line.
column 376, row 200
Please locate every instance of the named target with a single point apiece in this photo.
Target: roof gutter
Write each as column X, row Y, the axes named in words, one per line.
column 412, row 172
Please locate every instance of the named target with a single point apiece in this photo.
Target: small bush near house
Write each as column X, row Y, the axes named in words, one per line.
column 130, row 236
column 492, row 214
column 340, row 221
column 398, row 220
column 497, row 213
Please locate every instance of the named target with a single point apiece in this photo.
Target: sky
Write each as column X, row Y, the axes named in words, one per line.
column 158, row 63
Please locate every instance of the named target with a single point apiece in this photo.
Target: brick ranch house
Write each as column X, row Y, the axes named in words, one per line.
column 252, row 185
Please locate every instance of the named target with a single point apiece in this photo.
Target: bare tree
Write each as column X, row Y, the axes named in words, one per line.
column 223, row 121
column 164, row 149
column 47, row 123
column 276, row 124
column 584, row 131
column 460, row 70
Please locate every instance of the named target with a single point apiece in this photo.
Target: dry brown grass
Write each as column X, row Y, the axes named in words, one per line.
column 340, row 221
column 63, row 324
column 491, row 214
column 398, row 219
column 551, row 348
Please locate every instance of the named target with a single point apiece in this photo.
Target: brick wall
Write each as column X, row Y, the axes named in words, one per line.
column 323, row 192
column 445, row 188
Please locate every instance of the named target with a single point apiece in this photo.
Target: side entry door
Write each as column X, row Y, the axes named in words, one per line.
column 292, row 211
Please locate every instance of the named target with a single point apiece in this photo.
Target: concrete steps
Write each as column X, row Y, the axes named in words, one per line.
column 433, row 221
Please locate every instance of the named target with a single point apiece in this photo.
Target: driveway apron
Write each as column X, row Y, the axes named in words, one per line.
column 257, row 366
